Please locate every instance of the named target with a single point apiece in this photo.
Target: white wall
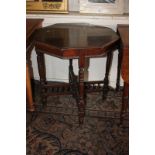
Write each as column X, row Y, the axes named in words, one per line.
column 57, row 69
column 74, row 5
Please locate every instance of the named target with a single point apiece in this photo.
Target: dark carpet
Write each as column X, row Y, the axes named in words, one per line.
column 55, row 130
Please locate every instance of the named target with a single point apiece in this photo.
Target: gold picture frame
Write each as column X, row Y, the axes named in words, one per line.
column 47, row 6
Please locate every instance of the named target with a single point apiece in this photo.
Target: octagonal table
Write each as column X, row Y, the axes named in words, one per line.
column 75, row 41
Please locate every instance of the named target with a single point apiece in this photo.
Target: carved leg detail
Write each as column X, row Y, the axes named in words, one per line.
column 86, row 67
column 42, row 74
column 86, row 72
column 81, row 104
column 106, row 79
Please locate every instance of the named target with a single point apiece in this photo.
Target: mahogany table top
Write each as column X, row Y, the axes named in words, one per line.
column 72, row 40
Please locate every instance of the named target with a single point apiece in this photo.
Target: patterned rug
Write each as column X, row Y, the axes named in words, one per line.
column 55, row 130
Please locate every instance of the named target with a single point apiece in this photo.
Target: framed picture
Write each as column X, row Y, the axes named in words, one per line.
column 102, row 6
column 47, row 6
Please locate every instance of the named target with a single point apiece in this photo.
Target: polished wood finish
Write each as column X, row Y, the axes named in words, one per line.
column 123, row 32
column 28, row 89
column 75, row 40
column 31, row 26
column 81, row 41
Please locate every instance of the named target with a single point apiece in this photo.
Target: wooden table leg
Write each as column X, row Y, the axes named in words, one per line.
column 73, row 82
column 86, row 71
column 81, row 104
column 42, row 74
column 125, row 101
column 106, row 79
column 70, row 68
column 120, row 56
column 29, row 89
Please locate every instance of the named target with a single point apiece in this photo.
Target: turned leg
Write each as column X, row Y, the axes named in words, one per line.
column 120, row 56
column 42, row 74
column 86, row 72
column 125, row 101
column 106, row 79
column 81, row 104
